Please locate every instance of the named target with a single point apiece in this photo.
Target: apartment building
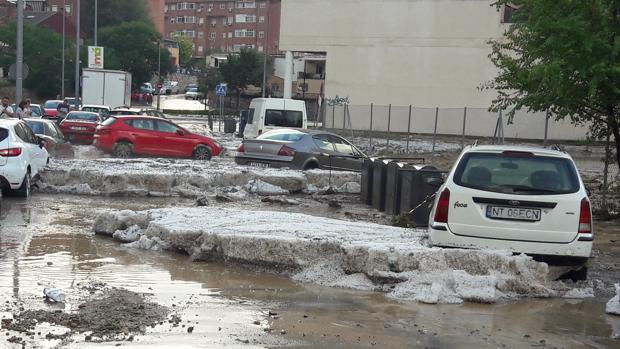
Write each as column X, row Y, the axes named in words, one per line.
column 225, row 25
column 57, row 6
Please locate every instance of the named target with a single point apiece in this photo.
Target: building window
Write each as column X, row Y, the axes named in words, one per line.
column 261, row 19
column 231, row 20
column 250, row 33
column 263, row 4
column 246, row 4
column 230, row 35
column 211, row 6
column 201, row 34
column 200, row 48
column 509, row 12
column 68, row 9
column 190, row 19
column 250, row 19
column 260, row 49
column 186, row 6
column 201, row 20
column 173, row 20
column 261, row 35
column 212, row 35
column 180, row 19
column 223, row 35
column 240, row 33
column 222, row 6
column 54, row 8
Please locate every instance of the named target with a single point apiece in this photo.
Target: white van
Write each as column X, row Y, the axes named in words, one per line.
column 271, row 113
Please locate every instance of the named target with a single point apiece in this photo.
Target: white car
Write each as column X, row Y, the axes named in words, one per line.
column 521, row 199
column 22, row 156
column 104, row 110
column 192, row 93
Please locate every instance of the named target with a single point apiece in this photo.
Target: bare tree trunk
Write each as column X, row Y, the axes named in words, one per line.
column 615, row 130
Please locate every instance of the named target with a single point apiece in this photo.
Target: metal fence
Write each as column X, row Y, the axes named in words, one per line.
column 472, row 122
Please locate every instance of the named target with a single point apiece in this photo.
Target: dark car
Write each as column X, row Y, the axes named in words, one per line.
column 79, row 126
column 55, row 142
column 300, row 149
column 128, row 135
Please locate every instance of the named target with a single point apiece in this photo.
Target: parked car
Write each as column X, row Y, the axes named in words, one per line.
column 37, row 110
column 79, row 126
column 22, row 156
column 193, row 93
column 190, row 86
column 154, row 112
column 50, row 109
column 146, row 87
column 104, row 110
column 298, row 149
column 74, row 103
column 272, row 113
column 54, row 140
column 128, row 135
column 127, row 111
column 522, row 199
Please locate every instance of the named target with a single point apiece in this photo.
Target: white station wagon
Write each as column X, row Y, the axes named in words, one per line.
column 522, row 199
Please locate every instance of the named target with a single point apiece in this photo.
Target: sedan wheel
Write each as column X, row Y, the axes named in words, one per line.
column 24, row 189
column 202, row 153
column 123, row 150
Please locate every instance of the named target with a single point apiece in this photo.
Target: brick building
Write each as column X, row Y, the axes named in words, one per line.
column 225, row 25
column 156, row 11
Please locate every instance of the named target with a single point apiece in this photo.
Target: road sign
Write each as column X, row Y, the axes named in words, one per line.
column 221, row 90
column 95, row 57
column 13, row 71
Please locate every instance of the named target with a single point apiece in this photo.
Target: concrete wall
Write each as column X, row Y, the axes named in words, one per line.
column 429, row 53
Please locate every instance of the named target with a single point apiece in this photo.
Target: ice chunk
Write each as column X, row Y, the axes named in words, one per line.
column 257, row 186
column 131, row 234
column 613, row 306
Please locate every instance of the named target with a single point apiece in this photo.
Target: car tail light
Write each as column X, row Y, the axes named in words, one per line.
column 10, row 152
column 241, row 148
column 585, row 217
column 102, row 131
column 286, row 151
column 443, row 205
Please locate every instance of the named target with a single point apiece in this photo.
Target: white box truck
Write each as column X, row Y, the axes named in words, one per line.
column 111, row 88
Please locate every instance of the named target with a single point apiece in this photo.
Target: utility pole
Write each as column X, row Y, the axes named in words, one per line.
column 158, row 74
column 96, row 8
column 19, row 64
column 77, row 53
column 62, row 69
column 266, row 52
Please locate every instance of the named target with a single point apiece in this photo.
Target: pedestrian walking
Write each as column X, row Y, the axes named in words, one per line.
column 63, row 109
column 6, row 111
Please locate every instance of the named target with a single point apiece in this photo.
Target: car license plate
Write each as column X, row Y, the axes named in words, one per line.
column 259, row 164
column 79, row 128
column 514, row 213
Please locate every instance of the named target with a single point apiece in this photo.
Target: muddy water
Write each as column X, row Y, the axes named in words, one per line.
column 47, row 242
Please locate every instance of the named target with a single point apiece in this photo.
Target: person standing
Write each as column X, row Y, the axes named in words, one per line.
column 21, row 110
column 28, row 109
column 63, row 109
column 6, row 111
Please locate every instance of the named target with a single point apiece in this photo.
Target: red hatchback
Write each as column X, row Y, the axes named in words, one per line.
column 79, row 126
column 50, row 107
column 129, row 135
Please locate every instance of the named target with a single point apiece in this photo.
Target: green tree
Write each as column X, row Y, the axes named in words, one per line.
column 562, row 56
column 134, row 46
column 43, row 54
column 186, row 50
column 208, row 80
column 243, row 70
column 111, row 13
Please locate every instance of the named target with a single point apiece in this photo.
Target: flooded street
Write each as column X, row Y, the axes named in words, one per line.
column 48, row 242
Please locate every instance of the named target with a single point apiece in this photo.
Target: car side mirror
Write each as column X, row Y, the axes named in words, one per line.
column 434, row 181
column 41, row 142
column 181, row 132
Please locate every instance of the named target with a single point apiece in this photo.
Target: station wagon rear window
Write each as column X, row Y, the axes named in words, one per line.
column 517, row 173
column 284, row 118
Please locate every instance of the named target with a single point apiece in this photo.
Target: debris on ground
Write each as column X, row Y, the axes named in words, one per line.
column 54, row 295
column 109, row 316
column 337, row 253
column 280, row 200
column 202, row 201
column 613, row 306
column 257, row 186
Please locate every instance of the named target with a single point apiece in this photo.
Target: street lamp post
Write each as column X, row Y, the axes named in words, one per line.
column 77, row 53
column 20, row 53
column 96, row 8
column 265, row 51
column 158, row 74
column 62, row 69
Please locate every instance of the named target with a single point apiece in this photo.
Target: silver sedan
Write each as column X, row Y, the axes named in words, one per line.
column 300, row 149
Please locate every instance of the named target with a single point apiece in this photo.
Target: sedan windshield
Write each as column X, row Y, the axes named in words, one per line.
column 517, row 173
column 36, row 127
column 82, row 117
